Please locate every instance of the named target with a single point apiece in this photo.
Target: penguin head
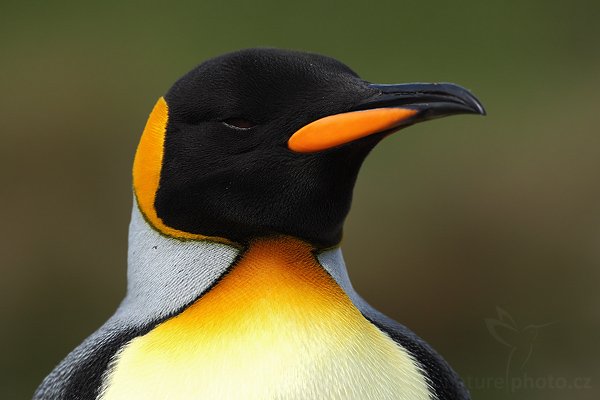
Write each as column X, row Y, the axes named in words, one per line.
column 266, row 142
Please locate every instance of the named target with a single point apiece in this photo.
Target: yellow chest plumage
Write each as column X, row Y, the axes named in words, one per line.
column 277, row 326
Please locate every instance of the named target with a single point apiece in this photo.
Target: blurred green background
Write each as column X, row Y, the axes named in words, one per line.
column 451, row 219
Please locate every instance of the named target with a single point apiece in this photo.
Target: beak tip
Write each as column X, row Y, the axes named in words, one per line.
column 475, row 104
column 481, row 110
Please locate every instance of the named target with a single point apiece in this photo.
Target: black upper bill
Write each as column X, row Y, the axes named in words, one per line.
column 432, row 100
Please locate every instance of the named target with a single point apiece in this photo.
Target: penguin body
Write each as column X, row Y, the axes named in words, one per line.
column 237, row 288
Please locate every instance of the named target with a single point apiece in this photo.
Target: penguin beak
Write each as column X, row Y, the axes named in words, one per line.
column 391, row 108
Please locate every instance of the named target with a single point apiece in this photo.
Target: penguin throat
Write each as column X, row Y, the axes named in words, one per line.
column 276, row 325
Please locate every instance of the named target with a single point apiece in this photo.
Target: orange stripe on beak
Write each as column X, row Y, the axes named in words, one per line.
column 335, row 130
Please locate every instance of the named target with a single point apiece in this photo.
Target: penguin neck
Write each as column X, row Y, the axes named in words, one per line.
column 165, row 275
column 280, row 319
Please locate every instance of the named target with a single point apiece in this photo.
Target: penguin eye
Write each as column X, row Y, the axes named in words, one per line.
column 239, row 123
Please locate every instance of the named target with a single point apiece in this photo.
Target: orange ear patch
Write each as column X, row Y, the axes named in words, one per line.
column 146, row 172
column 335, row 130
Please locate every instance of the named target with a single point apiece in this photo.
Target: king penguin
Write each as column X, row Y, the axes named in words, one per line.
column 237, row 288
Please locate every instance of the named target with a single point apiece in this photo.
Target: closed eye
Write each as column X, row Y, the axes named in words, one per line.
column 239, row 123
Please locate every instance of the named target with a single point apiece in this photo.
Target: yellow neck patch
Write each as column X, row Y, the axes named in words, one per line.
column 147, row 165
column 277, row 326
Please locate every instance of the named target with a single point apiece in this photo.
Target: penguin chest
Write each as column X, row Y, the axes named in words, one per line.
column 277, row 326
